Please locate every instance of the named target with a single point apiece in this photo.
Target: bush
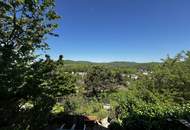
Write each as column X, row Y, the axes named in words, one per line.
column 58, row 108
column 114, row 125
column 140, row 115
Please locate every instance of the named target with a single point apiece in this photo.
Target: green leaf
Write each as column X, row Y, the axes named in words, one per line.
column 36, row 1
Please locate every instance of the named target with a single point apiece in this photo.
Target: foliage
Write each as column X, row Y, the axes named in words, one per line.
column 24, row 79
column 148, row 103
column 100, row 79
column 58, row 108
column 158, row 97
column 115, row 125
column 79, row 105
column 138, row 112
column 154, row 116
column 171, row 78
column 153, row 102
column 122, row 67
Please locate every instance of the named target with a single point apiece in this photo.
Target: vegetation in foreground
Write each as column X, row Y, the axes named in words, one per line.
column 156, row 100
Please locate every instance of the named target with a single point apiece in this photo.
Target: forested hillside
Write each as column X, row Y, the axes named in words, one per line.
column 123, row 67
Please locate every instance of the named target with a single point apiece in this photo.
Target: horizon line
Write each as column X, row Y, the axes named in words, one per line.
column 111, row 61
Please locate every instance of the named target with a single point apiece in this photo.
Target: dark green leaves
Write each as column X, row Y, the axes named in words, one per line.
column 24, row 25
column 51, row 15
column 100, row 79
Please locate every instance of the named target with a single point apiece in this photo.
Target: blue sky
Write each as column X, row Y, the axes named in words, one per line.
column 121, row 30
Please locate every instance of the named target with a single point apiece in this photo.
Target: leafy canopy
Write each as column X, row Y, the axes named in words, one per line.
column 24, row 26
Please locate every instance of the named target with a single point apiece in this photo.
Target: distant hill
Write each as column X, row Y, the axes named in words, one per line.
column 122, row 63
column 115, row 63
column 77, row 62
column 123, row 66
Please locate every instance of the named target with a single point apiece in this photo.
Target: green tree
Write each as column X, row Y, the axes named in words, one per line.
column 27, row 85
column 99, row 79
column 171, row 78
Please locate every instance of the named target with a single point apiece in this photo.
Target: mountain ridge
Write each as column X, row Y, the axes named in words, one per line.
column 114, row 63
